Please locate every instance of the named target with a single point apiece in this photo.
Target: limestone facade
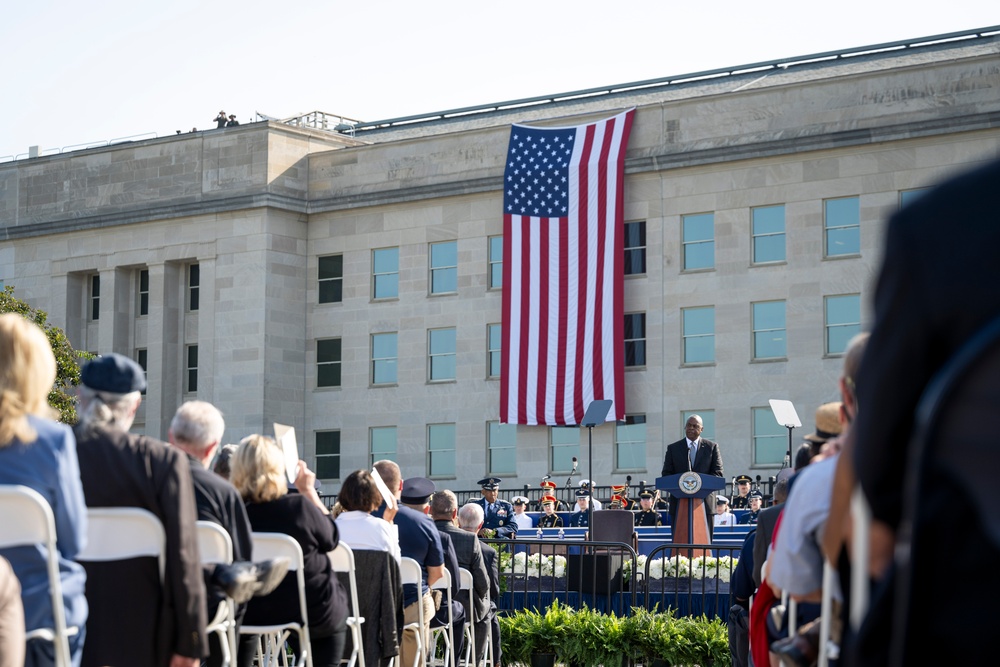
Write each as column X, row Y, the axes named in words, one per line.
column 255, row 207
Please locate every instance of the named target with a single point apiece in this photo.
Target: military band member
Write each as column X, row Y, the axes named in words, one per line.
column 549, row 489
column 581, row 517
column 647, row 515
column 659, row 502
column 499, row 514
column 550, row 519
column 741, row 500
column 621, row 490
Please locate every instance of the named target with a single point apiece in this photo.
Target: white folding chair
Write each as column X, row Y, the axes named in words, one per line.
column 28, row 520
column 445, row 631
column 342, row 560
column 118, row 533
column 278, row 545
column 410, row 572
column 470, row 630
column 216, row 547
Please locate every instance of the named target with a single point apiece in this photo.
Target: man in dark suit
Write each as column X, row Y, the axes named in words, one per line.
column 470, row 519
column 925, row 309
column 444, row 510
column 693, row 453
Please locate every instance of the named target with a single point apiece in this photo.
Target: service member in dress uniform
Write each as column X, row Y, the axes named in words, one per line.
column 756, row 499
column 522, row 520
column 647, row 515
column 581, row 517
column 498, row 514
column 550, row 519
column 659, row 503
column 589, row 486
column 549, row 489
column 741, row 500
column 621, row 491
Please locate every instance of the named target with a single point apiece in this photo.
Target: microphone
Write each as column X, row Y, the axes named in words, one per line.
column 575, row 463
column 546, row 477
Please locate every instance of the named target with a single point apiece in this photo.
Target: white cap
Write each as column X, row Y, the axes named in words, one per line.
column 584, row 482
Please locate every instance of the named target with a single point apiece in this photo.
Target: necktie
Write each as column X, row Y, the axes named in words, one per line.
column 693, row 453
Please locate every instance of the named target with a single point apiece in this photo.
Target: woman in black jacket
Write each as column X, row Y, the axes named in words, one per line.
column 258, row 473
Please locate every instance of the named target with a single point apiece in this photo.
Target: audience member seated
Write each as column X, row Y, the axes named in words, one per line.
column 258, row 473
column 41, row 454
column 358, row 498
column 221, row 465
column 11, row 618
column 470, row 519
column 418, row 539
column 196, row 429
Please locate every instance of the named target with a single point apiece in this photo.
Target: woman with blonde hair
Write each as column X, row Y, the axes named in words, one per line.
column 258, row 473
column 41, row 454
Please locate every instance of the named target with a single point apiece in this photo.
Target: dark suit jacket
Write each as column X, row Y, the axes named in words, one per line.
column 119, row 469
column 470, row 556
column 708, row 461
column 765, row 529
column 451, row 564
column 490, row 560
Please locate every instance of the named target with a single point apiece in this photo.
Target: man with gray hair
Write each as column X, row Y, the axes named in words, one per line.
column 196, row 430
column 470, row 519
column 133, row 619
column 444, row 509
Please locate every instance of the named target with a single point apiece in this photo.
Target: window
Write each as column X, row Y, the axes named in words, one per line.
column 192, row 369
column 635, row 248
column 768, row 234
column 142, row 358
column 493, row 349
column 441, row 450
column 328, row 362
column 635, row 339
column 382, row 443
column 769, row 330
column 331, row 279
column 95, row 297
column 144, row 292
column 385, row 273
column 194, row 286
column 502, row 445
column 630, row 443
column 496, row 262
column 707, row 422
column 770, row 439
column 699, row 335
column 328, row 454
column 444, row 267
column 441, row 353
column 698, row 241
column 842, row 224
column 564, row 446
column 907, row 196
column 384, row 358
column 843, row 321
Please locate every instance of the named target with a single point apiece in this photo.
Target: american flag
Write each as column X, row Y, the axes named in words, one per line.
column 562, row 332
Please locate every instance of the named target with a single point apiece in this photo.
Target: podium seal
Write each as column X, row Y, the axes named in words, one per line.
column 690, row 482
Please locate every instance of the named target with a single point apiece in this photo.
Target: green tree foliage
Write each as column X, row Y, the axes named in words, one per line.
column 68, row 360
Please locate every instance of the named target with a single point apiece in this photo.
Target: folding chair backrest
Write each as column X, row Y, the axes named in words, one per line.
column 278, row 545
column 119, row 533
column 214, row 543
column 342, row 560
column 444, row 583
column 28, row 520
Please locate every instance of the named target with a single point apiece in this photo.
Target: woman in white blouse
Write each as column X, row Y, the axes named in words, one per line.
column 358, row 497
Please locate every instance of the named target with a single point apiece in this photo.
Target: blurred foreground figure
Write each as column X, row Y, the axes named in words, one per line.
column 937, row 288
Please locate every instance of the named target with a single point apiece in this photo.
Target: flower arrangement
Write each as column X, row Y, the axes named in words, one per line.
column 535, row 565
column 680, row 567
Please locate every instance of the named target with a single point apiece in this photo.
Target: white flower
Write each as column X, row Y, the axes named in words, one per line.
column 559, row 566
column 519, row 561
column 656, row 569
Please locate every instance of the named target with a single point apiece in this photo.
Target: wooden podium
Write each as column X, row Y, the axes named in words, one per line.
column 689, row 490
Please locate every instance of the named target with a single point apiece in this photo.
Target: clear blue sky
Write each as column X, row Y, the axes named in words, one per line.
column 78, row 72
